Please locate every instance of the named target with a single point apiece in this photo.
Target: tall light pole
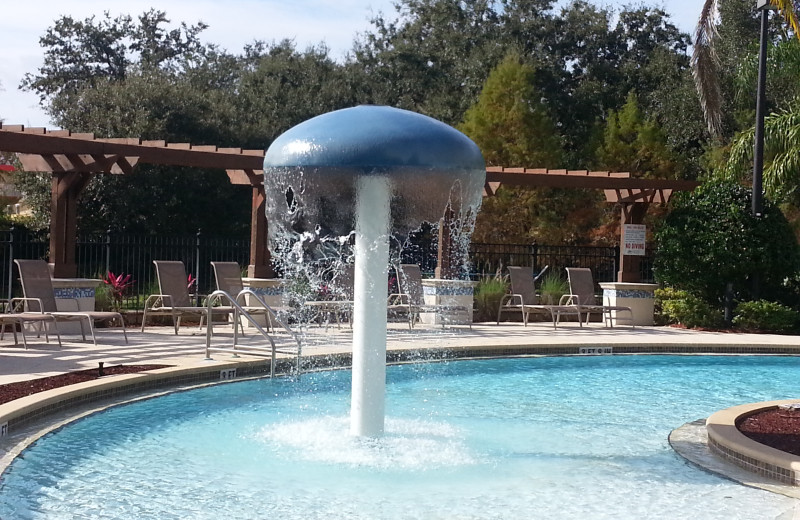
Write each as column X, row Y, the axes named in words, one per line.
column 758, row 153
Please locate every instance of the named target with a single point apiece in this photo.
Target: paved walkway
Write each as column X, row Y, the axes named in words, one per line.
column 159, row 345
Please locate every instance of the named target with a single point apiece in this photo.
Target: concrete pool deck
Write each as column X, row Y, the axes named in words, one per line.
column 159, row 345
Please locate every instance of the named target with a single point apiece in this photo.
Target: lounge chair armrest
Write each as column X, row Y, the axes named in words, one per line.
column 569, row 299
column 511, row 300
column 398, row 299
column 21, row 305
column 158, row 300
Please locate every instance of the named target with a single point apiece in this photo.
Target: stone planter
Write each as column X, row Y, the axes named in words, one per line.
column 448, row 292
column 638, row 296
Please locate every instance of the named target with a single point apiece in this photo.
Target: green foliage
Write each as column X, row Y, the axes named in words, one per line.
column 710, row 239
column 509, row 123
column 781, row 155
column 488, row 293
column 552, row 287
column 512, row 128
column 683, row 308
column 765, row 315
column 636, row 144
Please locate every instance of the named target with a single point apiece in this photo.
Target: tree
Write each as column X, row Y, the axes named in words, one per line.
column 706, row 64
column 79, row 53
column 168, row 87
column 781, row 155
column 711, row 239
column 513, row 128
column 636, row 144
column 509, row 123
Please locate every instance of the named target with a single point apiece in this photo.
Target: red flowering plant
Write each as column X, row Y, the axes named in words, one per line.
column 118, row 284
column 191, row 283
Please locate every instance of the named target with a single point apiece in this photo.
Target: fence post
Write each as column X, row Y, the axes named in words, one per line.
column 616, row 260
column 108, row 250
column 197, row 261
column 535, row 254
column 11, row 233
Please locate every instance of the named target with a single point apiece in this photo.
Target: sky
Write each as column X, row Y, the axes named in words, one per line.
column 232, row 25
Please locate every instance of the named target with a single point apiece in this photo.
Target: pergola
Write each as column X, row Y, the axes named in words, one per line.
column 73, row 158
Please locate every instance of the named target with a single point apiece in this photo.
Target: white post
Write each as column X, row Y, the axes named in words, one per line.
column 369, row 312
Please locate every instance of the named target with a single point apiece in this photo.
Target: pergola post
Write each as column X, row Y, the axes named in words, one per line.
column 630, row 265
column 66, row 187
column 260, row 261
column 444, row 265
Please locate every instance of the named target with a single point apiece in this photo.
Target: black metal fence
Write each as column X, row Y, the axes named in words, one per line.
column 134, row 255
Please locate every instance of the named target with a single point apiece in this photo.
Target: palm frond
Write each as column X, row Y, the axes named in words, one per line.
column 705, row 67
column 787, row 10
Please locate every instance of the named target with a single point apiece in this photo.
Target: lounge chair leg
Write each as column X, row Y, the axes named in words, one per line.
column 91, row 329
column 144, row 317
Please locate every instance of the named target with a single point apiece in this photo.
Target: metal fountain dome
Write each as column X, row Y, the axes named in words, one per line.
column 373, row 137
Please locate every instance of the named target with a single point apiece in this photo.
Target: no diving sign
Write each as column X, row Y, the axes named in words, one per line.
column 634, row 239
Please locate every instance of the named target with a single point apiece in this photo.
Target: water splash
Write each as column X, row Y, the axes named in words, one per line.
column 408, row 444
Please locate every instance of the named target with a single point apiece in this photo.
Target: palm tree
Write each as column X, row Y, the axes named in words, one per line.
column 781, row 152
column 705, row 62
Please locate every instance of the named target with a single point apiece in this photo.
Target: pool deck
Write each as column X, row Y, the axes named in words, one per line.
column 159, row 345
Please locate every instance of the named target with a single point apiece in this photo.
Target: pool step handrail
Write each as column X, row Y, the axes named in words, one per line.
column 272, row 351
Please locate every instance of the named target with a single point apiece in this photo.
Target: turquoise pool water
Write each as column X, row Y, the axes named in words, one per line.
column 565, row 437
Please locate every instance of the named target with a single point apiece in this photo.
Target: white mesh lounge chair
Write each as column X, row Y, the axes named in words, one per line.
column 411, row 300
column 523, row 298
column 39, row 297
column 22, row 319
column 581, row 288
column 341, row 302
column 229, row 279
column 173, row 298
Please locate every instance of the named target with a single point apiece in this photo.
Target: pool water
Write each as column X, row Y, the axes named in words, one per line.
column 563, row 437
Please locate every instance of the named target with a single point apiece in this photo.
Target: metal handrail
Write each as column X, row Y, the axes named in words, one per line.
column 240, row 311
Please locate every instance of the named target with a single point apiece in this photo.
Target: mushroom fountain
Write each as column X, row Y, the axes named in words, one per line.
column 375, row 172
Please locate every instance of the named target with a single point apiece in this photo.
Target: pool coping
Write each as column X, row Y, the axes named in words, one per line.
column 25, row 420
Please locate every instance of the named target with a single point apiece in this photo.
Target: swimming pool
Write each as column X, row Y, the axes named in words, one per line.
column 561, row 437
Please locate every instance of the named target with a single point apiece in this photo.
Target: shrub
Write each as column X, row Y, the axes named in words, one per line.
column 488, row 293
column 683, row 308
column 765, row 315
column 710, row 239
column 552, row 288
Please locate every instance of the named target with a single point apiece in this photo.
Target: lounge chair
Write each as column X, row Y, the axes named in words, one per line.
column 229, row 279
column 22, row 319
column 411, row 300
column 39, row 297
column 341, row 302
column 173, row 298
column 582, row 297
column 523, row 298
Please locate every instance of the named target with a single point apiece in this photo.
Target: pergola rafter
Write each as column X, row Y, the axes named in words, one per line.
column 72, row 159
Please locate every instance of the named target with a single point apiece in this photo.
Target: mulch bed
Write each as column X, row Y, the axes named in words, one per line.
column 777, row 428
column 12, row 391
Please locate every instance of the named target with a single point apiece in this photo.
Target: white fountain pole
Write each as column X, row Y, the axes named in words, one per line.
column 369, row 311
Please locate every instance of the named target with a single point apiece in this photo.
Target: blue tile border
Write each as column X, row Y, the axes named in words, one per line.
column 73, row 292
column 622, row 293
column 268, row 291
column 447, row 291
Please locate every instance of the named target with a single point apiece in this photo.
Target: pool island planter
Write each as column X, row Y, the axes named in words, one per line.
column 726, row 441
